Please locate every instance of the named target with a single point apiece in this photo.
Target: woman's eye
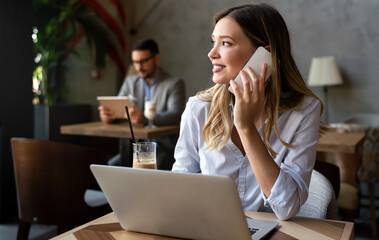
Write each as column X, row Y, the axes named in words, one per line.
column 223, row 43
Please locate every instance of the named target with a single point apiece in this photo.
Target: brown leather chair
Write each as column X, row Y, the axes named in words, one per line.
column 51, row 181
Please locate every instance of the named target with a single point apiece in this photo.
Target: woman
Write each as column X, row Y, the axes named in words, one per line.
column 265, row 139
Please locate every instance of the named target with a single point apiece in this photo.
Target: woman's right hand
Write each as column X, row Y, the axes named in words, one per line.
column 106, row 115
column 249, row 103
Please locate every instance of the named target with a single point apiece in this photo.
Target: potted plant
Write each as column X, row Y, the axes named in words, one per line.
column 59, row 26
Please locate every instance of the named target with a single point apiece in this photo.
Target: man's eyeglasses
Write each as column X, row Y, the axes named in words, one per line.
column 142, row 61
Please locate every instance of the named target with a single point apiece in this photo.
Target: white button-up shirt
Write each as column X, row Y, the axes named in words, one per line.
column 299, row 127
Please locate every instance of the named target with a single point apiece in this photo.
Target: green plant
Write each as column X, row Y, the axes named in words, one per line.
column 59, row 25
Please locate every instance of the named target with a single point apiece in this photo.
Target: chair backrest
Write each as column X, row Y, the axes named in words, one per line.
column 321, row 202
column 51, row 179
column 331, row 172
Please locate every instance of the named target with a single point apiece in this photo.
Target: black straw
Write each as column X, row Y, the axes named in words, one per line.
column 130, row 124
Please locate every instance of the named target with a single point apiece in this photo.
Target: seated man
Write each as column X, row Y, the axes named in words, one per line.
column 152, row 83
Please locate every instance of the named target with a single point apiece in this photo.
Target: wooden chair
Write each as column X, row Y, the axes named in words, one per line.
column 51, row 181
column 331, row 172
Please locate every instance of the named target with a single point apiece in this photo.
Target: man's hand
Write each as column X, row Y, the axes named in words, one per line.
column 106, row 115
column 136, row 115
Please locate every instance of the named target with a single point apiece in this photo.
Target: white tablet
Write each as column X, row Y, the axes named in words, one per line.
column 115, row 103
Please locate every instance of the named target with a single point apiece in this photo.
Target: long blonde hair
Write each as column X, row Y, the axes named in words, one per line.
column 286, row 89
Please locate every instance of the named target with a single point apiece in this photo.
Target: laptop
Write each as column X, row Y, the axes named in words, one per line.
column 182, row 205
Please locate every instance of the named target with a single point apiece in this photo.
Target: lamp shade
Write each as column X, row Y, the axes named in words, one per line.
column 324, row 72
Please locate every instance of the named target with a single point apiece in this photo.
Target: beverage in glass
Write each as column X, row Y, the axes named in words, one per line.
column 150, row 112
column 144, row 155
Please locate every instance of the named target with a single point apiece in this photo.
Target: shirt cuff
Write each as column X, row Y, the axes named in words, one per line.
column 280, row 192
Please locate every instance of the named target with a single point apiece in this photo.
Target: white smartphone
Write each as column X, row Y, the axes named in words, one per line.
column 260, row 56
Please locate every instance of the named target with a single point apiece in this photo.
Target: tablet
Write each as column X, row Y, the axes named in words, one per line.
column 115, row 103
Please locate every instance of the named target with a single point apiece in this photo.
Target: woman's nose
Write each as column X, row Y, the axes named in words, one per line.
column 213, row 53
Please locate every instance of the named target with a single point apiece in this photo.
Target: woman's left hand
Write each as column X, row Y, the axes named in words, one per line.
column 249, row 103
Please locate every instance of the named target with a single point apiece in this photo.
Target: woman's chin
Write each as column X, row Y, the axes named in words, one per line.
column 220, row 80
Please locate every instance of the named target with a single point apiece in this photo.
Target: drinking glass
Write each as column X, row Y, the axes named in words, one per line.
column 144, row 155
column 150, row 113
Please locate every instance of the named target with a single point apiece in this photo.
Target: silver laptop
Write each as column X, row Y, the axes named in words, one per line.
column 182, row 205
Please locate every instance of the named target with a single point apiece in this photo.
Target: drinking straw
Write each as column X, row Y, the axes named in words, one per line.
column 130, row 124
column 131, row 131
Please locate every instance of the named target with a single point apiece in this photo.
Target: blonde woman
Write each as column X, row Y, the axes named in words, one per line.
column 265, row 139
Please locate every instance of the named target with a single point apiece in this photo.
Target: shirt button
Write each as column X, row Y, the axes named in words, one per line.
column 241, row 189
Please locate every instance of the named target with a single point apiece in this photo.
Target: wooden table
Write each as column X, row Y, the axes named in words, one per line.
column 119, row 130
column 343, row 150
column 340, row 142
column 329, row 141
column 107, row 227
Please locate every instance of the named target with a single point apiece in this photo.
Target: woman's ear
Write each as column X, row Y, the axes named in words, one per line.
column 268, row 48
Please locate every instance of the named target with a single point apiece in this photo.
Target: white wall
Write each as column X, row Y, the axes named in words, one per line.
column 347, row 29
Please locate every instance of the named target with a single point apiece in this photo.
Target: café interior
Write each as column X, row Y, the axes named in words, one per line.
column 333, row 44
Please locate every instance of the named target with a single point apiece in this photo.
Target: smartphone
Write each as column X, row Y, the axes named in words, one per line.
column 260, row 56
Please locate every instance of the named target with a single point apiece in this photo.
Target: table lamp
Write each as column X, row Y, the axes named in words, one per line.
column 324, row 72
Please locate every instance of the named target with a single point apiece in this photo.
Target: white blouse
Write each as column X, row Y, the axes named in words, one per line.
column 298, row 127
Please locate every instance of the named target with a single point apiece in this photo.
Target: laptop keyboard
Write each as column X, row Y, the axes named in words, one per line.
column 253, row 230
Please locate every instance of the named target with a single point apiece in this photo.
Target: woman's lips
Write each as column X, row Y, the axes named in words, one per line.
column 217, row 68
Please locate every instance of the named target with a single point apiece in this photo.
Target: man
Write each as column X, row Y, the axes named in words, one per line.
column 152, row 83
